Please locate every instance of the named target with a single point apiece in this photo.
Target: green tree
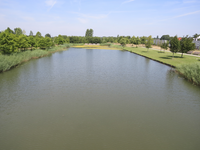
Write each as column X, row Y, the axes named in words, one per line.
column 149, row 42
column 89, row 33
column 32, row 42
column 137, row 41
column 59, row 40
column 174, row 45
column 18, row 31
column 48, row 35
column 38, row 34
column 133, row 40
column 143, row 40
column 123, row 42
column 9, row 30
column 8, row 42
column 23, row 42
column 186, row 45
column 165, row 45
column 165, row 37
column 31, row 33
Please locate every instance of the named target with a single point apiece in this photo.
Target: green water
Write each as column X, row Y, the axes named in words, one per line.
column 84, row 99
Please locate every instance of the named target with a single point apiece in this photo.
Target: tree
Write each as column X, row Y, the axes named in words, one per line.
column 137, row 41
column 8, row 42
column 48, row 35
column 31, row 33
column 23, row 42
column 143, row 40
column 196, row 36
column 59, row 40
column 38, row 34
column 31, row 41
column 149, row 42
column 9, row 30
column 133, row 40
column 123, row 42
column 165, row 45
column 89, row 33
column 24, row 32
column 18, row 31
column 186, row 45
column 174, row 45
column 165, row 37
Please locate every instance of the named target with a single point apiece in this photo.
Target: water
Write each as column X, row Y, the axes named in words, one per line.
column 84, row 99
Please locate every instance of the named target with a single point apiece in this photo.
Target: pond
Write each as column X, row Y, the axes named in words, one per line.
column 89, row 99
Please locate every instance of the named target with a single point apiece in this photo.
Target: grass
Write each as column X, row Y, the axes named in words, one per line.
column 162, row 57
column 190, row 72
column 187, row 66
column 95, row 47
column 9, row 61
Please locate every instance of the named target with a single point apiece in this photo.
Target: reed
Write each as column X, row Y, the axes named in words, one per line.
column 191, row 72
column 9, row 61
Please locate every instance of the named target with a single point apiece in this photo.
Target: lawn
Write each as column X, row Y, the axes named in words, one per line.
column 166, row 57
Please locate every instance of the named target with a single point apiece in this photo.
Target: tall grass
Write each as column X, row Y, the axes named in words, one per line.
column 9, row 61
column 190, row 72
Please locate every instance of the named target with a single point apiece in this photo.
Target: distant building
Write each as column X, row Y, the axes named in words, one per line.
column 179, row 38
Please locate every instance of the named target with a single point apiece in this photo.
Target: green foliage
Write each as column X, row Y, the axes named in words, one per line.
column 165, row 46
column 32, row 42
column 143, row 40
column 149, row 42
column 133, row 40
column 23, row 42
column 48, row 35
column 186, row 45
column 18, row 31
column 9, row 30
column 190, row 72
column 123, row 42
column 38, row 34
column 165, row 37
column 45, row 43
column 31, row 33
column 137, row 41
column 8, row 42
column 89, row 33
column 174, row 45
column 59, row 40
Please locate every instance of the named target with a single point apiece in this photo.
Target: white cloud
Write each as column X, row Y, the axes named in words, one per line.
column 50, row 3
column 183, row 15
column 128, row 1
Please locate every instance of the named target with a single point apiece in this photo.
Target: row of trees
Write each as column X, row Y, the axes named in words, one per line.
column 15, row 41
column 183, row 46
column 167, row 37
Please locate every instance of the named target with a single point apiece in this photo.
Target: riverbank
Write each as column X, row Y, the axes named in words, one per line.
column 8, row 62
column 187, row 66
column 96, row 47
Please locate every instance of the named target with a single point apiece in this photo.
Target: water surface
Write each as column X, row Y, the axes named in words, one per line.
column 84, row 99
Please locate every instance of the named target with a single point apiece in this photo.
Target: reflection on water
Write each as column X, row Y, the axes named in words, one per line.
column 97, row 99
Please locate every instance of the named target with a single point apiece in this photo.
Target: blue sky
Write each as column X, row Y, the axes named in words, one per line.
column 105, row 17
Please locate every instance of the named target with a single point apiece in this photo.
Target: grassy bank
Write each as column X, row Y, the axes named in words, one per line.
column 96, row 47
column 188, row 66
column 190, row 72
column 9, row 61
column 165, row 58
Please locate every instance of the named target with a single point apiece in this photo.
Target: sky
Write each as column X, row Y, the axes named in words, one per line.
column 105, row 17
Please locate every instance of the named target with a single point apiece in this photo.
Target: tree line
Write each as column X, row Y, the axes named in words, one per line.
column 12, row 41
